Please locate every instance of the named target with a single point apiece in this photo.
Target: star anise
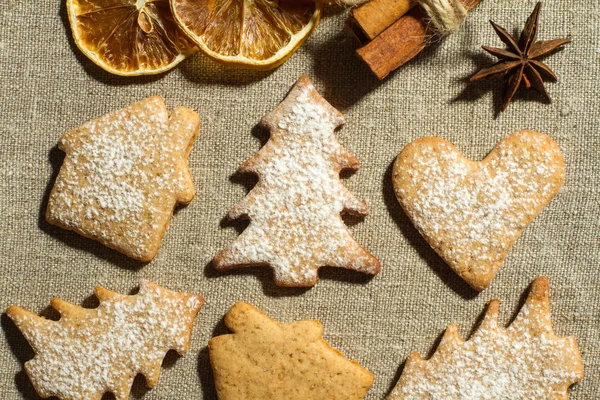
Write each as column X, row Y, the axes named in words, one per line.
column 519, row 64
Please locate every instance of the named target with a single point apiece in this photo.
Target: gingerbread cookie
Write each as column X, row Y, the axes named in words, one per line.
column 89, row 352
column 123, row 174
column 294, row 210
column 522, row 362
column 470, row 212
column 264, row 359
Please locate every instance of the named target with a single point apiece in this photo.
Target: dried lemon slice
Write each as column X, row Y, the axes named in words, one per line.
column 258, row 34
column 128, row 37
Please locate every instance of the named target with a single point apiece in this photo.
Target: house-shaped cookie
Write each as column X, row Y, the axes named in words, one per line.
column 267, row 360
column 123, row 174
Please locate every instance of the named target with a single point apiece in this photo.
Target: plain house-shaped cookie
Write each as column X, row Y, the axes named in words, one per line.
column 267, row 360
column 123, row 174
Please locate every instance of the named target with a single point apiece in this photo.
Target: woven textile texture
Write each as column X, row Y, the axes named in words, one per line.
column 48, row 87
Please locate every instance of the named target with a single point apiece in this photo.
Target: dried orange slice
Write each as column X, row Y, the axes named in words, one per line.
column 259, row 34
column 129, row 37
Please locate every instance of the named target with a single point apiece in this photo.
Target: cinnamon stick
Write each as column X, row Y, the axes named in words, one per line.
column 374, row 17
column 400, row 43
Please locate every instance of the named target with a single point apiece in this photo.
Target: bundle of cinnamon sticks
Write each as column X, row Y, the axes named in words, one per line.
column 392, row 32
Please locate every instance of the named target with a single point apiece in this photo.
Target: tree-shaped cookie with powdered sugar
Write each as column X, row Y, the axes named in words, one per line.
column 89, row 352
column 525, row 361
column 294, row 210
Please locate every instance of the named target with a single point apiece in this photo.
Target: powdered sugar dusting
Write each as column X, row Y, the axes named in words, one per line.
column 295, row 207
column 472, row 213
column 122, row 176
column 526, row 361
column 93, row 351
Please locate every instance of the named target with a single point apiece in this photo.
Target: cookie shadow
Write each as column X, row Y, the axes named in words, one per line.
column 262, row 273
column 521, row 302
column 402, row 365
column 248, row 179
column 21, row 350
column 433, row 260
column 70, row 238
column 205, row 372
column 343, row 275
column 351, row 220
column 94, row 70
column 140, row 388
column 206, row 376
column 396, row 378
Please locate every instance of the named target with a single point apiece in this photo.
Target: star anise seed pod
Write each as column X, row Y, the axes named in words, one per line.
column 519, row 64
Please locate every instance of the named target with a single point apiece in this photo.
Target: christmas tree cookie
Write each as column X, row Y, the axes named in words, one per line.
column 264, row 359
column 524, row 361
column 123, row 174
column 294, row 210
column 89, row 352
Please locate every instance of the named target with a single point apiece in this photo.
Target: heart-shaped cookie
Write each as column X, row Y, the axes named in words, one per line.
column 471, row 212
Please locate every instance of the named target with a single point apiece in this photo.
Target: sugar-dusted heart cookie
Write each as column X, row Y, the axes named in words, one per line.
column 471, row 212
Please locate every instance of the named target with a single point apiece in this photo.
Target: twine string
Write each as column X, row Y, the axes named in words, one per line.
column 445, row 16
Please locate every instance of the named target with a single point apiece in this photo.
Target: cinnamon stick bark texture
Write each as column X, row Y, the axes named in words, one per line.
column 400, row 43
column 374, row 17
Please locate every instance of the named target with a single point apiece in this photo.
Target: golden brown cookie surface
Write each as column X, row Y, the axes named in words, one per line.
column 89, row 352
column 123, row 174
column 524, row 361
column 264, row 359
column 294, row 210
column 470, row 212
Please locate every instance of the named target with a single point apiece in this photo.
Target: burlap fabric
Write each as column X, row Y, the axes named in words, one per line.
column 48, row 87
